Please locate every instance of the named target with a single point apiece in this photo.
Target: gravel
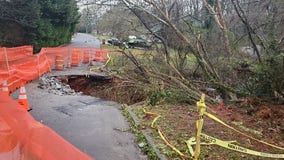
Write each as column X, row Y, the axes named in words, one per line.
column 55, row 86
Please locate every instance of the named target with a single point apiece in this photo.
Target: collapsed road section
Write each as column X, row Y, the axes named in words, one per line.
column 94, row 125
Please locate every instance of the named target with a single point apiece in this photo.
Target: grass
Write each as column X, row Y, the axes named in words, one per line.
column 151, row 59
column 140, row 138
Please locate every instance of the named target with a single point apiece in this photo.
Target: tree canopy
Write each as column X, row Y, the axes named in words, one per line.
column 42, row 23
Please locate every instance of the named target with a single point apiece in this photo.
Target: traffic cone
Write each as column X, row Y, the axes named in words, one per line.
column 23, row 99
column 5, row 88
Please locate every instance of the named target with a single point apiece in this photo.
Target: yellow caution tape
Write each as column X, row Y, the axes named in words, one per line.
column 167, row 142
column 226, row 125
column 108, row 59
column 154, row 121
column 234, row 147
column 189, row 144
column 161, row 134
column 226, row 144
column 192, row 141
column 150, row 113
column 93, row 68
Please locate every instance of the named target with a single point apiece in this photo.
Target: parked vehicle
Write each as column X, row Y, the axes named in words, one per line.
column 133, row 43
column 114, row 41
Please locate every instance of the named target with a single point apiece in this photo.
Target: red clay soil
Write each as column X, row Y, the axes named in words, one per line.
column 178, row 123
column 111, row 89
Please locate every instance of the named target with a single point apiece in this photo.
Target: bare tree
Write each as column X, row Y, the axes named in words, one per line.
column 193, row 27
column 244, row 19
column 164, row 18
column 219, row 18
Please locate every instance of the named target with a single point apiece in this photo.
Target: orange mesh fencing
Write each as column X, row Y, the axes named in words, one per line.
column 10, row 57
column 51, row 54
column 27, row 71
column 100, row 55
column 20, row 62
column 13, row 83
column 16, row 53
column 43, row 65
column 4, row 69
column 23, row 138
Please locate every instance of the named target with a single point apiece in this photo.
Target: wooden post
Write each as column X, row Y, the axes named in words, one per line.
column 7, row 60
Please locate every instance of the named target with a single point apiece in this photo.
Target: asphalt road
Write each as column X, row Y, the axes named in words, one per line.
column 84, row 40
column 96, row 126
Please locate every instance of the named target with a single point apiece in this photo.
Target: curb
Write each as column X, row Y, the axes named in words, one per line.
column 148, row 138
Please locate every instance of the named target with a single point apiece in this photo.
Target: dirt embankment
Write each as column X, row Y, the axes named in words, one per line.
column 261, row 120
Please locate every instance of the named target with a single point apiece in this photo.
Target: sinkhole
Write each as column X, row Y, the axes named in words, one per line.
column 105, row 87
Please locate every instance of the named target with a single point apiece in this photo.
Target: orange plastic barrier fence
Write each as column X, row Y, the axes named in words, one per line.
column 23, row 138
column 51, row 54
column 100, row 55
column 20, row 62
column 16, row 53
column 12, row 56
column 13, row 83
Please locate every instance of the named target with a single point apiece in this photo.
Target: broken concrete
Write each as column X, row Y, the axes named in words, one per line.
column 55, row 86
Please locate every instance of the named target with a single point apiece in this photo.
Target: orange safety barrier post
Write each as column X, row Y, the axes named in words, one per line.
column 87, row 56
column 76, row 57
column 23, row 138
column 59, row 62
column 23, row 98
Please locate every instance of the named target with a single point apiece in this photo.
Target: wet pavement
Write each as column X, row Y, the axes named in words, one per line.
column 84, row 40
column 96, row 126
